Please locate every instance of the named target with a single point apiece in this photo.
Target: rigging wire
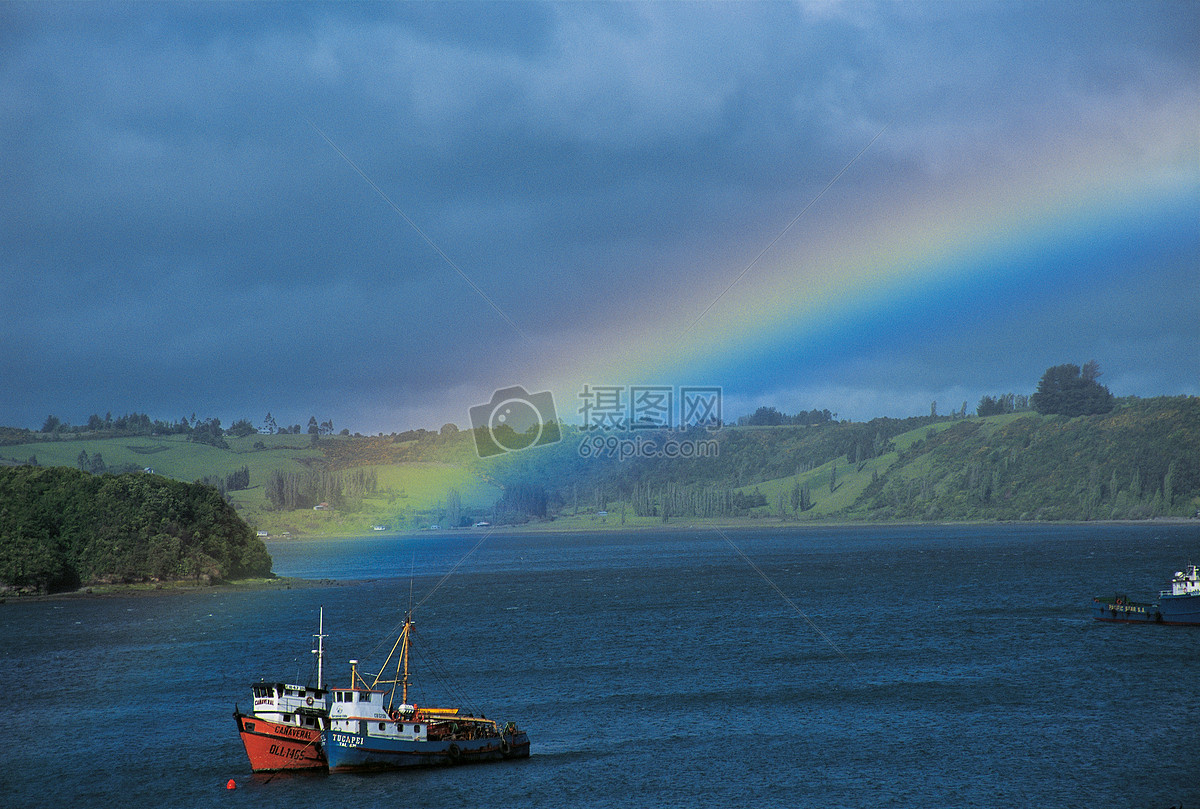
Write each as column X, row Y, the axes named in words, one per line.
column 442, row 675
column 450, row 572
column 414, row 607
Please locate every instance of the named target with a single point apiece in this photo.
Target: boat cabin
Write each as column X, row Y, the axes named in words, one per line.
column 1185, row 583
column 363, row 711
column 290, row 704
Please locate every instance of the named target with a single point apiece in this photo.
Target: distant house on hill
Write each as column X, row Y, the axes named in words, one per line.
column 321, row 507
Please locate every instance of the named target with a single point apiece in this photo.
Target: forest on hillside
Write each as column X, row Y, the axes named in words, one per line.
column 1138, row 460
column 61, row 528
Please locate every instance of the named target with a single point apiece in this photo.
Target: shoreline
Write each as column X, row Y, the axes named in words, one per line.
column 151, row 589
column 757, row 524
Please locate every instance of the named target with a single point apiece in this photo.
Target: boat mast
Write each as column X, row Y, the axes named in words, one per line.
column 400, row 653
column 407, row 623
column 404, row 657
column 320, row 650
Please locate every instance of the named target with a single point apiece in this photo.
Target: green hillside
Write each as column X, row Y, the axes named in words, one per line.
column 1138, row 462
column 413, row 478
column 1141, row 460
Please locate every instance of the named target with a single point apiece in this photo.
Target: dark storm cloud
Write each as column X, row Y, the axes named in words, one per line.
column 174, row 229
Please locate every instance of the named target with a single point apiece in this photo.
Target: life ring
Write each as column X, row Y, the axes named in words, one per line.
column 309, row 701
column 454, row 753
column 505, row 747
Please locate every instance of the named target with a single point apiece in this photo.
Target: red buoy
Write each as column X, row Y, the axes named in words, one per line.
column 231, row 785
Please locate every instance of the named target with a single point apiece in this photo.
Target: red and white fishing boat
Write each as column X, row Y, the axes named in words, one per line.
column 284, row 730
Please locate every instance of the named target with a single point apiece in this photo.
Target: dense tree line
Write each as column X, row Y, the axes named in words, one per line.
column 453, row 513
column 209, row 432
column 61, row 527
column 129, row 424
column 235, row 481
column 682, row 500
column 521, row 502
column 205, row 431
column 770, row 417
column 343, row 490
column 1068, row 390
column 1004, row 403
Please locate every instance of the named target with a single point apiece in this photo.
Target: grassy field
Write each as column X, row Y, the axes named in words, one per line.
column 176, row 457
column 405, row 491
column 405, row 497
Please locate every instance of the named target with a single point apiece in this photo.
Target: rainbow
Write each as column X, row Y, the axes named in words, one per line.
column 908, row 266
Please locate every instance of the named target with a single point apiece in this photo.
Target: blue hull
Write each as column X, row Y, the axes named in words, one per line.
column 1127, row 612
column 352, row 752
column 1183, row 610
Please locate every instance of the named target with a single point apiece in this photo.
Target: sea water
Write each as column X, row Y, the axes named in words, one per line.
column 790, row 667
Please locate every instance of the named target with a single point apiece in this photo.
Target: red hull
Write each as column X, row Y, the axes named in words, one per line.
column 272, row 746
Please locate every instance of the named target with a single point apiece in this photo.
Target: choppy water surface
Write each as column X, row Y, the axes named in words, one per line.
column 918, row 667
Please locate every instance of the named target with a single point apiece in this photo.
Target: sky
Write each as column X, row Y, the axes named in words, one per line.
column 382, row 214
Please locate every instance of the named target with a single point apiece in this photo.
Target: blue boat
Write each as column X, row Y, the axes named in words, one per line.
column 1178, row 606
column 370, row 730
